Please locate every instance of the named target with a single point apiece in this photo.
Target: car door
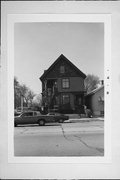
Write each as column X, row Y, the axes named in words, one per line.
column 27, row 118
column 51, row 117
column 57, row 117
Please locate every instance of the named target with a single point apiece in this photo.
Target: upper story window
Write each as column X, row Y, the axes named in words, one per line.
column 62, row 69
column 65, row 83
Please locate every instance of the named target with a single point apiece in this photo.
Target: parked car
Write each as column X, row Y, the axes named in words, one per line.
column 17, row 113
column 58, row 116
column 35, row 117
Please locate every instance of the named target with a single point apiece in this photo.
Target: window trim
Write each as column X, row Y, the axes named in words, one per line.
column 62, row 71
column 68, row 97
column 68, row 82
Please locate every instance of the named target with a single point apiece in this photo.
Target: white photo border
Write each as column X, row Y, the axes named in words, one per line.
column 19, row 18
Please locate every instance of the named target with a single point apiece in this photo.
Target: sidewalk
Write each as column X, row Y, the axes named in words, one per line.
column 77, row 118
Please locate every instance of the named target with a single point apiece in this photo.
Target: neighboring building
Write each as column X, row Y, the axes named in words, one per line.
column 95, row 101
column 63, row 86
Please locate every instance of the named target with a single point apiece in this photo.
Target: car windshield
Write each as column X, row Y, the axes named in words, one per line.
column 17, row 114
column 27, row 114
column 55, row 114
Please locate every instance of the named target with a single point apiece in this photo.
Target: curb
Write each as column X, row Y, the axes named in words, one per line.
column 83, row 120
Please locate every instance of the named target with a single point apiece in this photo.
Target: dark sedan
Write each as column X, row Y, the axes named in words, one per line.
column 59, row 117
column 34, row 117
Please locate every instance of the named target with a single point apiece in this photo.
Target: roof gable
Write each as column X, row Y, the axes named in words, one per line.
column 69, row 65
column 95, row 90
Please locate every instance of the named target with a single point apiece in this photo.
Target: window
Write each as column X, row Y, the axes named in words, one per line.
column 66, row 99
column 28, row 114
column 62, row 69
column 51, row 114
column 79, row 101
column 65, row 83
column 35, row 113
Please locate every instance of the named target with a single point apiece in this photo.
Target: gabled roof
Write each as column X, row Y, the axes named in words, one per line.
column 56, row 61
column 95, row 90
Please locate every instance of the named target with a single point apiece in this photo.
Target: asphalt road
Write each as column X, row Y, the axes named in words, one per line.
column 67, row 139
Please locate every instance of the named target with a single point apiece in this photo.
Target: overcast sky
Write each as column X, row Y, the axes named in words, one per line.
column 38, row 45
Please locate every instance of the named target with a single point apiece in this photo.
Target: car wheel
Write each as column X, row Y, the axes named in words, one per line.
column 41, row 122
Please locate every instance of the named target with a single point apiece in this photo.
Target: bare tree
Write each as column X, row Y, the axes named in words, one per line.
column 37, row 100
column 17, row 95
column 22, row 93
column 91, row 82
column 29, row 97
column 27, row 94
column 15, row 81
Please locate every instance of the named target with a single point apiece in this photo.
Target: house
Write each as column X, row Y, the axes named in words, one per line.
column 95, row 101
column 63, row 86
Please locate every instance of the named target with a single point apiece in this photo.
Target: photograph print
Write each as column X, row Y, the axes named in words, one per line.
column 58, row 89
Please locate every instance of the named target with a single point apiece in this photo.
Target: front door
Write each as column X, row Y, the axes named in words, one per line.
column 65, row 103
column 79, row 104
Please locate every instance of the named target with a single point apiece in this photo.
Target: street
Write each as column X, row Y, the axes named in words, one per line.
column 66, row 139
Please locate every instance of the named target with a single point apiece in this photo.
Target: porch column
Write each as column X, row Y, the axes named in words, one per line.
column 45, row 82
column 45, row 94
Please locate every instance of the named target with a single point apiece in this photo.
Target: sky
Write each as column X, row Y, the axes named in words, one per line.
column 38, row 45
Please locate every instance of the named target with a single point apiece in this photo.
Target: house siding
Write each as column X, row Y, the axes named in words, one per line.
column 94, row 104
column 72, row 101
column 53, row 91
column 69, row 71
column 76, row 85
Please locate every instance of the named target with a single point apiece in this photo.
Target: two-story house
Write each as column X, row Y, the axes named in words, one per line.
column 63, row 86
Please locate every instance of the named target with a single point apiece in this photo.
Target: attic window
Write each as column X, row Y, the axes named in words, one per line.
column 62, row 69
